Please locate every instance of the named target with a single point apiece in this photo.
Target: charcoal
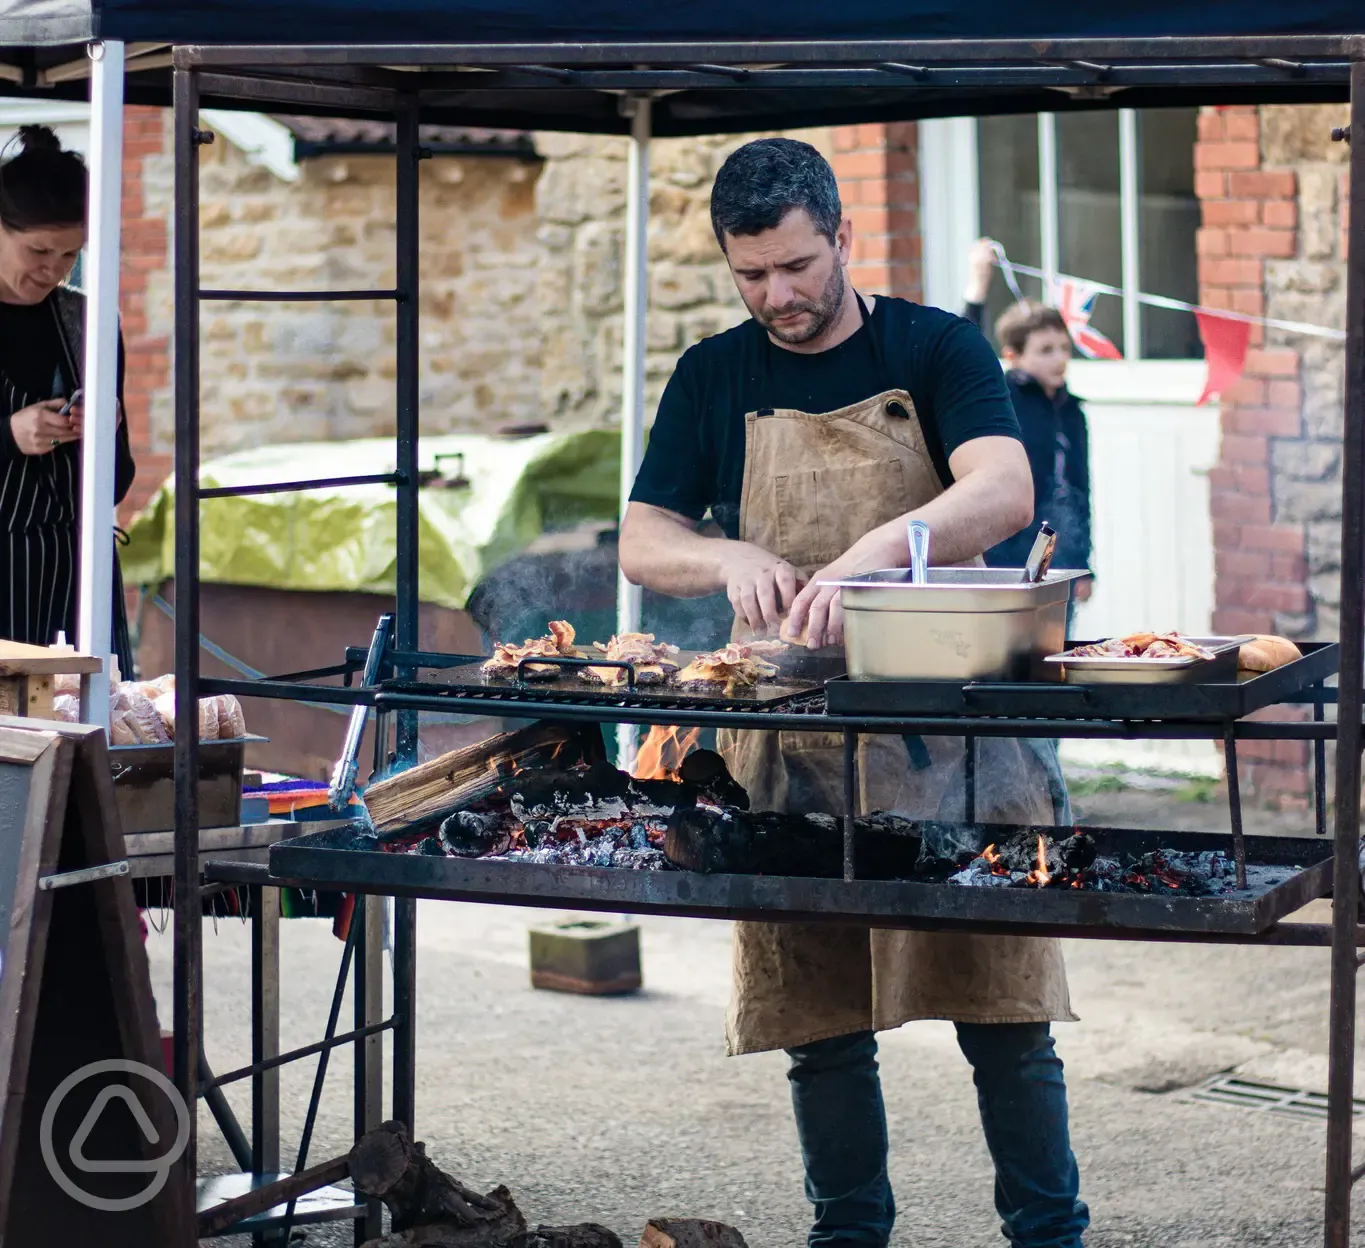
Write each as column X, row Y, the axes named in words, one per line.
column 430, row 847
column 468, row 834
column 706, row 771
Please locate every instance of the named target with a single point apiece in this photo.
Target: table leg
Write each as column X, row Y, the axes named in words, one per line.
column 265, row 1028
column 369, row 1053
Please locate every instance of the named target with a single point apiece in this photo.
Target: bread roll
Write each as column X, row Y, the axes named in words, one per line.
column 1266, row 653
column 67, row 708
column 66, row 682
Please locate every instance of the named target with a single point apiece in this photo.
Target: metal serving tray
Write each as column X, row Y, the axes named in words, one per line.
column 966, row 623
column 1113, row 670
column 330, row 860
column 1196, row 700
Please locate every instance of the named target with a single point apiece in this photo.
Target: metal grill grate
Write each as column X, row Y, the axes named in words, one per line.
column 1247, row 1094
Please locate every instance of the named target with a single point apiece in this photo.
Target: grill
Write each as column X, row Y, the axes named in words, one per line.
column 344, row 858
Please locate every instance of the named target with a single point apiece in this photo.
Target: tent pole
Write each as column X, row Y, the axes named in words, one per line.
column 633, row 371
column 1345, row 867
column 95, row 590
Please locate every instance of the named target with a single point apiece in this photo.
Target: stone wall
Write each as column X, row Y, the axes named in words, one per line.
column 521, row 288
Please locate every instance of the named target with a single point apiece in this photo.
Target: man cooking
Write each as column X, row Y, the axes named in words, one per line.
column 806, row 438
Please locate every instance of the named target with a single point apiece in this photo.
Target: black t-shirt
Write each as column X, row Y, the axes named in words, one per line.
column 695, row 458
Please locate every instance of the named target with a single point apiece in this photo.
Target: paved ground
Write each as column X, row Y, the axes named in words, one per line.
column 618, row 1109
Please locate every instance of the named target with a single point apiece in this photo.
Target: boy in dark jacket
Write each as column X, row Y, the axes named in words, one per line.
column 1037, row 348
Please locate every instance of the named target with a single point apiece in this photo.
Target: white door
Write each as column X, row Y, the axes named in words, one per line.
column 1150, row 453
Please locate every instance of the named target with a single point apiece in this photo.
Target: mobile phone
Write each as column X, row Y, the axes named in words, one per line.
column 71, row 402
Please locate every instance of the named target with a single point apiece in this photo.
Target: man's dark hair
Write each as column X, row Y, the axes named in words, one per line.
column 762, row 181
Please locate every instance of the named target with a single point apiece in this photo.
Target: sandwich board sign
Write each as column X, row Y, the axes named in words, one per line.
column 91, row 1130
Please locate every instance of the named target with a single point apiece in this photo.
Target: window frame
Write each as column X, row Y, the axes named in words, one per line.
column 950, row 211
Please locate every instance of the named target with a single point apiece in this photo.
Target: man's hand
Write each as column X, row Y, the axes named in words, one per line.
column 818, row 611
column 761, row 587
column 40, row 428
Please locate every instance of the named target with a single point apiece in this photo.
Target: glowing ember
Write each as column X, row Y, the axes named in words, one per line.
column 663, row 752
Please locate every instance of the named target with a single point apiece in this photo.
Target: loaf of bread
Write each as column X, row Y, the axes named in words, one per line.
column 140, row 715
column 120, row 729
column 1265, row 654
column 165, row 707
column 231, row 721
column 208, row 719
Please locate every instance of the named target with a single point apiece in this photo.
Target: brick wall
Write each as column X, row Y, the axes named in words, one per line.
column 1270, row 245
column 878, row 171
column 143, row 279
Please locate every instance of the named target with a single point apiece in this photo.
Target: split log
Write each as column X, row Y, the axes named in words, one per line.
column 690, row 1233
column 428, row 1207
column 586, row 1235
column 434, row 789
column 741, row 842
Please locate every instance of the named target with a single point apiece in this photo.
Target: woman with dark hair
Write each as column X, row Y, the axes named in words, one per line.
column 42, row 334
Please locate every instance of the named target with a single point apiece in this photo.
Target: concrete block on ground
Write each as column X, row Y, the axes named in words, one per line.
column 597, row 957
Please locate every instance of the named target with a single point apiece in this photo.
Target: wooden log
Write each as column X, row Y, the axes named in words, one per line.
column 690, row 1233
column 585, row 1235
column 215, row 1220
column 422, row 1199
column 433, row 789
column 739, row 842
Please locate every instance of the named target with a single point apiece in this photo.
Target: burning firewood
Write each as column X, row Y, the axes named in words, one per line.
column 730, row 841
column 690, row 1233
column 465, row 776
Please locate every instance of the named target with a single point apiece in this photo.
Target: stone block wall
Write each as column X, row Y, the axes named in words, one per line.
column 521, row 288
column 1271, row 244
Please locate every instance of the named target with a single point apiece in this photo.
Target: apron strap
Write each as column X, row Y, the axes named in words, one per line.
column 880, row 370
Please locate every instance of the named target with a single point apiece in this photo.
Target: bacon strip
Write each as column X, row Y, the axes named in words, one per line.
column 556, row 644
column 653, row 661
column 735, row 665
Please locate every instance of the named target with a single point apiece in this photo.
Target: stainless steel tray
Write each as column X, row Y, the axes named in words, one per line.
column 965, row 624
column 1118, row 671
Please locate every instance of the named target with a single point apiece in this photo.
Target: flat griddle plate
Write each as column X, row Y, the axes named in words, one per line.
column 805, row 674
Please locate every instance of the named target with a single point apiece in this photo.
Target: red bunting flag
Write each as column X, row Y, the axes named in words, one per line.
column 1225, row 352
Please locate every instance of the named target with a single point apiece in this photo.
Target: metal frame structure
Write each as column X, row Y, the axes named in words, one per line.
column 400, row 81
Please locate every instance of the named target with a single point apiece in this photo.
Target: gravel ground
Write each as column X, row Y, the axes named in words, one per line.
column 615, row 1110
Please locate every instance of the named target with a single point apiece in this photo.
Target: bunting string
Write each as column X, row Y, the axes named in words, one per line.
column 1010, row 271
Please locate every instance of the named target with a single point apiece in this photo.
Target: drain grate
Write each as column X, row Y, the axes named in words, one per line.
column 1246, row 1094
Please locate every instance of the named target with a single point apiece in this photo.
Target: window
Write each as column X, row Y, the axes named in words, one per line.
column 1105, row 196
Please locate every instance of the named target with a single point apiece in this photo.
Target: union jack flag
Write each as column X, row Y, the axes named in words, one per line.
column 1075, row 300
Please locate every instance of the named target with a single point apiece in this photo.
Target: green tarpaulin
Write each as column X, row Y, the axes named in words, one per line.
column 342, row 538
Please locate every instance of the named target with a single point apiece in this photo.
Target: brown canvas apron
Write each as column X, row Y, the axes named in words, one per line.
column 814, row 483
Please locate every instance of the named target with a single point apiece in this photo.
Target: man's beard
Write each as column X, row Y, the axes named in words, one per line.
column 824, row 312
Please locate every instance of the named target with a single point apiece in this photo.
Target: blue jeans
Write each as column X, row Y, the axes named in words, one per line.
column 841, row 1122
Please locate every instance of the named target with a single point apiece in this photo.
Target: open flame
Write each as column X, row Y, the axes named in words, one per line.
column 992, row 856
column 1039, row 876
column 662, row 752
